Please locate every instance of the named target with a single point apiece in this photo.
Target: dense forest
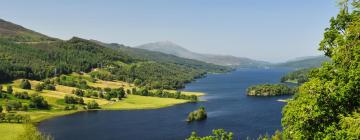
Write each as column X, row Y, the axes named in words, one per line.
column 36, row 56
column 270, row 90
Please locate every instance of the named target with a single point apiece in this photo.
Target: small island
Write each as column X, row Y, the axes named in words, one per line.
column 270, row 90
column 197, row 115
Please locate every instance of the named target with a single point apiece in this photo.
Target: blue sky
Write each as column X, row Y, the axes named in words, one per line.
column 272, row 30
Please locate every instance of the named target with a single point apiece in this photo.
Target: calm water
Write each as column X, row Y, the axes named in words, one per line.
column 227, row 105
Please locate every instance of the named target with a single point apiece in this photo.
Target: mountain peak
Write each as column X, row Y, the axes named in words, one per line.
column 164, row 44
column 225, row 60
column 164, row 47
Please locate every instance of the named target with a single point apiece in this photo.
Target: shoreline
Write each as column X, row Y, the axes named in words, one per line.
column 47, row 115
column 132, row 102
column 36, row 122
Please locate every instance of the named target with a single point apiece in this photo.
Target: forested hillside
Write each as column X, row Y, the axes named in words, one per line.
column 13, row 32
column 27, row 54
column 299, row 76
column 309, row 62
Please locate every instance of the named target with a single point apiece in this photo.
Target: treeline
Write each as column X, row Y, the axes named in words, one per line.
column 119, row 93
column 13, row 118
column 299, row 76
column 164, row 94
column 270, row 90
column 84, row 90
column 217, row 134
column 43, row 60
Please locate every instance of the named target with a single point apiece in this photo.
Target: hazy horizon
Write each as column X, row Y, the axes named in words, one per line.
column 274, row 31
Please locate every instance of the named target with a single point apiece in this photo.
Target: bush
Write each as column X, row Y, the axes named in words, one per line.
column 39, row 87
column 78, row 92
column 38, row 102
column 3, row 95
column 46, row 86
column 25, row 84
column 73, row 100
column 91, row 93
column 22, row 95
column 9, row 89
column 70, row 107
column 13, row 105
column 49, row 87
column 92, row 105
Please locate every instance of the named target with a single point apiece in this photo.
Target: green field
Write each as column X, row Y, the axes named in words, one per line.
column 56, row 101
column 142, row 102
column 11, row 131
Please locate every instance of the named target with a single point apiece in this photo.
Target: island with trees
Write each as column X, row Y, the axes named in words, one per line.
column 197, row 115
column 270, row 90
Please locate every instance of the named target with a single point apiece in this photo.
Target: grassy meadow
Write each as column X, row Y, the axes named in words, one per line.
column 10, row 131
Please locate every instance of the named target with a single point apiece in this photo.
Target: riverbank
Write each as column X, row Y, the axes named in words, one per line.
column 227, row 106
column 10, row 131
column 56, row 101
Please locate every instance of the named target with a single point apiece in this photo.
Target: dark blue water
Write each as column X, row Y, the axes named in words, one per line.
column 227, row 105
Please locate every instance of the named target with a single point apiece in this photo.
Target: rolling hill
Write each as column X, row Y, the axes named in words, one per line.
column 143, row 54
column 304, row 62
column 17, row 33
column 224, row 60
column 27, row 54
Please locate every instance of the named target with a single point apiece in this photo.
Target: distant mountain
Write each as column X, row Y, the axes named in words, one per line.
column 224, row 60
column 27, row 54
column 304, row 62
column 17, row 33
column 143, row 54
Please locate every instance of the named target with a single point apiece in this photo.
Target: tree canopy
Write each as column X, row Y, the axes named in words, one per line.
column 327, row 106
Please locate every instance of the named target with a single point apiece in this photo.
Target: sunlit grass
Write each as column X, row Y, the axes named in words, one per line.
column 142, row 102
column 11, row 131
column 111, row 84
column 57, row 105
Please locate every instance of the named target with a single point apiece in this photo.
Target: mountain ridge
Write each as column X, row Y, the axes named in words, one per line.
column 224, row 60
column 27, row 54
column 18, row 33
column 304, row 62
